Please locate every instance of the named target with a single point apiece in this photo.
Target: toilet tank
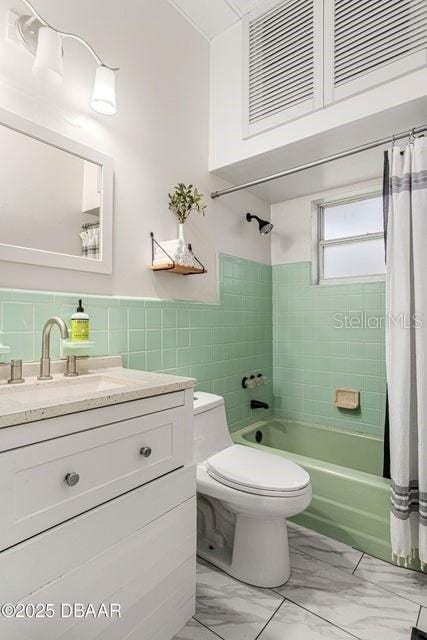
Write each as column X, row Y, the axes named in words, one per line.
column 211, row 433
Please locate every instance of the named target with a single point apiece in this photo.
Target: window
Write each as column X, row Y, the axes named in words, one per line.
column 348, row 239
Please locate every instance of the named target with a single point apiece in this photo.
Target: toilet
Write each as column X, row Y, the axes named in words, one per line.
column 244, row 496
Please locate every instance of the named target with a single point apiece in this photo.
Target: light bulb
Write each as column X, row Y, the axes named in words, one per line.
column 48, row 61
column 104, row 92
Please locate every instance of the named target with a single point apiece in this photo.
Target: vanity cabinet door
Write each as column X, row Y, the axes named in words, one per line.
column 47, row 483
column 137, row 551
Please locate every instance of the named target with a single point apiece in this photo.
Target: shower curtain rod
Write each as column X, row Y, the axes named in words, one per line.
column 317, row 163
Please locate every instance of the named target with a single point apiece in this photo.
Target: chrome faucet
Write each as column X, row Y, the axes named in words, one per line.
column 45, row 359
column 16, row 372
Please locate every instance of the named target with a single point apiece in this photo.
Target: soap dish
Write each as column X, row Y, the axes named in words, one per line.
column 71, row 347
column 347, row 398
column 3, row 347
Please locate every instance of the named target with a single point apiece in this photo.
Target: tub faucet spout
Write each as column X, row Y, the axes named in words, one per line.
column 257, row 404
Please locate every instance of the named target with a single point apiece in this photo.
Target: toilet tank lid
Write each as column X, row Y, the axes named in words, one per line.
column 205, row 401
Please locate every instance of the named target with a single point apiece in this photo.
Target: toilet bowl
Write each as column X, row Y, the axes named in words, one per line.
column 245, row 496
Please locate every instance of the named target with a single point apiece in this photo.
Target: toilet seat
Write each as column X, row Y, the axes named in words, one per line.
column 258, row 472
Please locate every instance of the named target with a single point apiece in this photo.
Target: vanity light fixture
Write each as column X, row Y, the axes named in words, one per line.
column 48, row 61
column 45, row 43
column 104, row 91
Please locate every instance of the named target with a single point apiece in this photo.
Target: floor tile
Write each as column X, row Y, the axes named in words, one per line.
column 233, row 610
column 404, row 582
column 422, row 622
column 293, row 623
column 355, row 605
column 315, row 544
column 195, row 631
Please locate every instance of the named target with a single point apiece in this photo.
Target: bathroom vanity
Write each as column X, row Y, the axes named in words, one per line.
column 97, row 505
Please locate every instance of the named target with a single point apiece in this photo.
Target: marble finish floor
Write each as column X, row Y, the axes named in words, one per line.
column 334, row 593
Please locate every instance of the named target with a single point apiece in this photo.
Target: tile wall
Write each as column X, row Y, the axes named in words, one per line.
column 216, row 343
column 300, row 344
column 326, row 337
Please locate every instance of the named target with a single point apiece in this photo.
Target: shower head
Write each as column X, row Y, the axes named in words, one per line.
column 265, row 227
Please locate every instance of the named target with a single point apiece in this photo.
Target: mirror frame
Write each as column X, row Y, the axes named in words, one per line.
column 28, row 255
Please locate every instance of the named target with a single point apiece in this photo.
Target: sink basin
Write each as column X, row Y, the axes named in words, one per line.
column 34, row 395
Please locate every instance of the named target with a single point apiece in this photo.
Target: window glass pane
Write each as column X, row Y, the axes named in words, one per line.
column 353, row 218
column 361, row 258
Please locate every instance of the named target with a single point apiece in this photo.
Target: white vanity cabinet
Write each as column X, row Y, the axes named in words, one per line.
column 98, row 507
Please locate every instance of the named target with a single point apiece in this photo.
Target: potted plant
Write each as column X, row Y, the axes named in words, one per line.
column 183, row 200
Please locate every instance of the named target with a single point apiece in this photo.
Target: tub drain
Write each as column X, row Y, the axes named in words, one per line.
column 258, row 436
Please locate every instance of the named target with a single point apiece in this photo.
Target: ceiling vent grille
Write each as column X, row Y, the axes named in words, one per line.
column 281, row 59
column 370, row 34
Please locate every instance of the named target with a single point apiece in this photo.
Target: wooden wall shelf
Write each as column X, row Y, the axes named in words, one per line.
column 171, row 265
column 176, row 268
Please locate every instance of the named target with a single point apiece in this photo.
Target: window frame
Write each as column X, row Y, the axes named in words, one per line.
column 319, row 243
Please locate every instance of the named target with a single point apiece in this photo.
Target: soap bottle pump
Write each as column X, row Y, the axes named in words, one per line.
column 80, row 325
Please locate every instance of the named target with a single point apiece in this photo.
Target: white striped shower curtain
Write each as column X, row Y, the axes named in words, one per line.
column 406, row 346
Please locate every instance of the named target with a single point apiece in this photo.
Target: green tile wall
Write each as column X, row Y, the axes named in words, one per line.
column 312, row 355
column 268, row 320
column 216, row 343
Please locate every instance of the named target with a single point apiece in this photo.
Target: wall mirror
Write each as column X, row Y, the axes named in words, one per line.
column 56, row 199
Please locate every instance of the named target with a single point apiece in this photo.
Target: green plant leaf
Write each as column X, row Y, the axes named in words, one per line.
column 184, row 200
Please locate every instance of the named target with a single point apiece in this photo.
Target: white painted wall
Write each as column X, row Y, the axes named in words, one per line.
column 159, row 137
column 226, row 133
column 291, row 237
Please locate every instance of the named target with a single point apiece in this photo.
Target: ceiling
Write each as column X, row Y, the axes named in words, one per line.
column 212, row 17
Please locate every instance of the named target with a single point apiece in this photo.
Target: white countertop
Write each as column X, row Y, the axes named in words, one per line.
column 99, row 385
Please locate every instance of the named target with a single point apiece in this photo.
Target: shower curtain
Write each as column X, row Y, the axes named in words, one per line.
column 90, row 242
column 405, row 201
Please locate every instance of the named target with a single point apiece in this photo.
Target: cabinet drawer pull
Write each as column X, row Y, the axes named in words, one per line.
column 72, row 478
column 145, row 451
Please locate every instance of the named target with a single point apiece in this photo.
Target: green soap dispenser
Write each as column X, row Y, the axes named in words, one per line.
column 79, row 325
